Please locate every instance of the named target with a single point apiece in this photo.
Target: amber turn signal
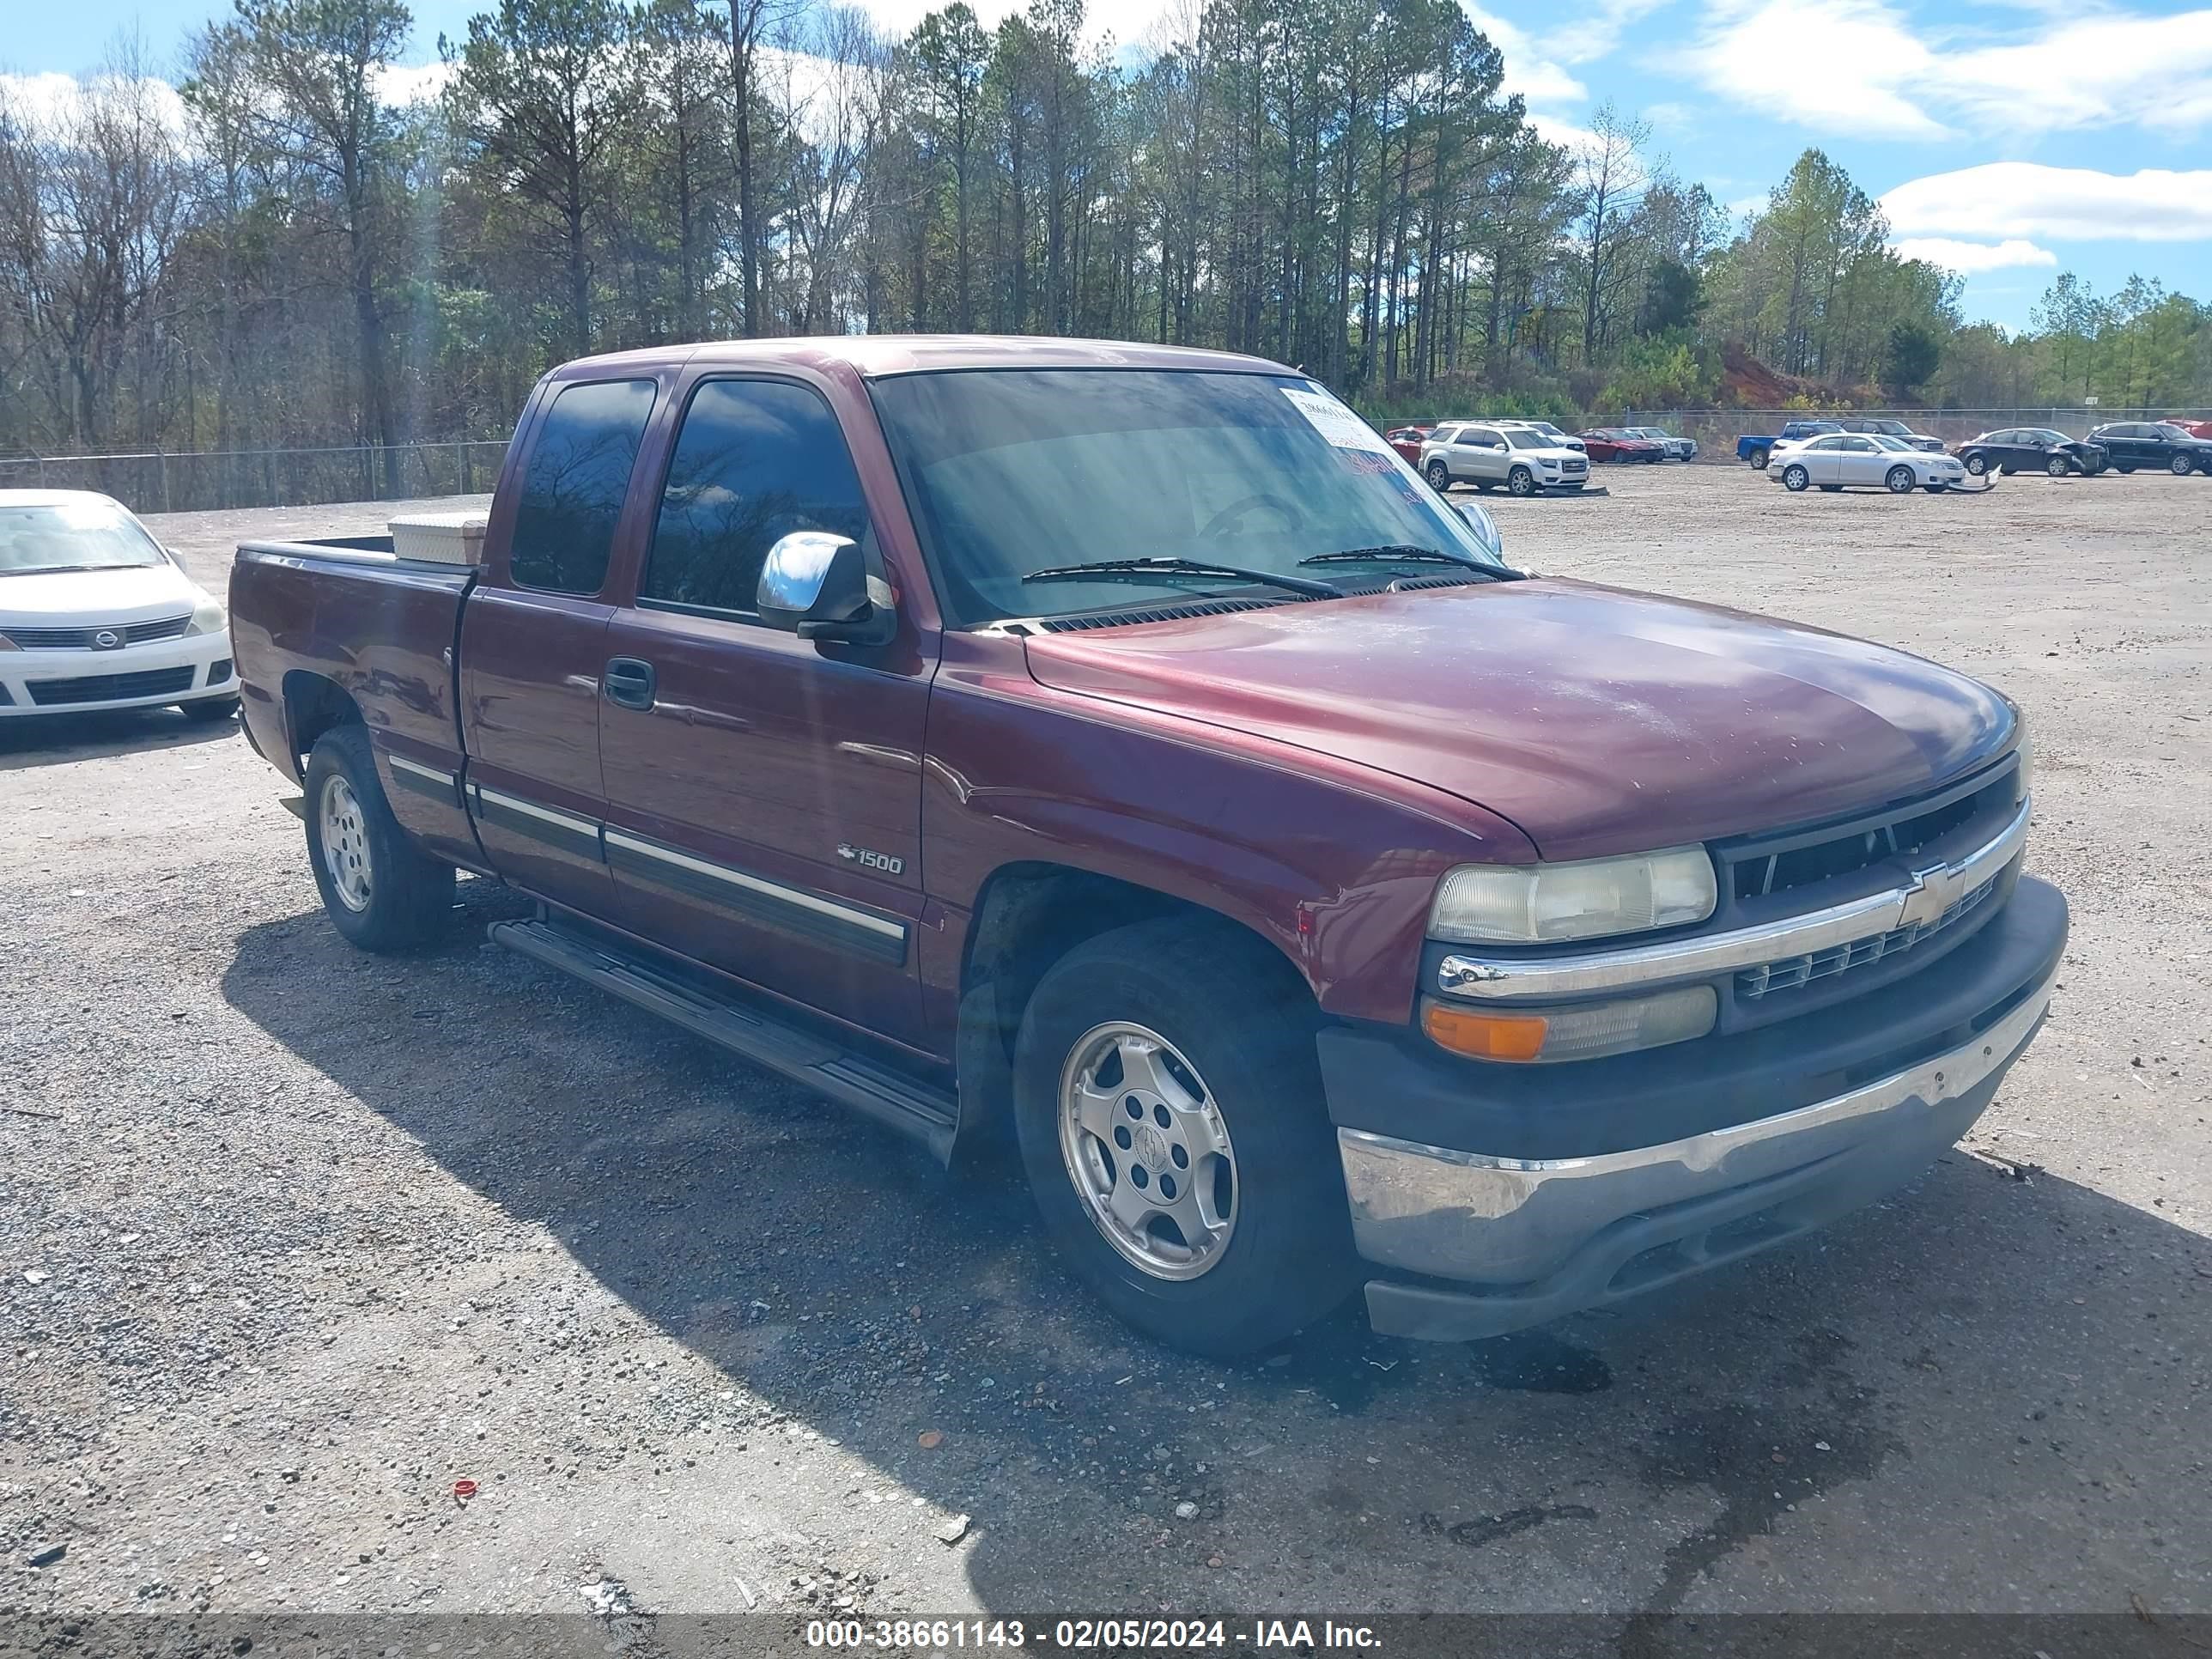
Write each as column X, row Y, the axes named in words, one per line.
column 1484, row 1036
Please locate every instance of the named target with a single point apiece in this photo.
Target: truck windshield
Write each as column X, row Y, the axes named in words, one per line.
column 90, row 535
column 1008, row 471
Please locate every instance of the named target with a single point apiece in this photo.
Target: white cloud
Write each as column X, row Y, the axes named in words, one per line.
column 2023, row 199
column 418, row 83
column 47, row 100
column 1881, row 68
column 1971, row 258
column 1537, row 76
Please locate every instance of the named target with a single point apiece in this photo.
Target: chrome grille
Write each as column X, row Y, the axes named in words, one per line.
column 80, row 639
column 1791, row 972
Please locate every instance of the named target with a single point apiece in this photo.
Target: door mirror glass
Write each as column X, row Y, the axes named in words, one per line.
column 815, row 584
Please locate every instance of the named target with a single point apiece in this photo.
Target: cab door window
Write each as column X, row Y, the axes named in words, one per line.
column 754, row 460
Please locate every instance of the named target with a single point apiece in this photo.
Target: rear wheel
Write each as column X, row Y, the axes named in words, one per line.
column 1172, row 1124
column 381, row 893
column 1976, row 464
column 2057, row 467
column 1439, row 477
column 1795, row 477
column 1521, row 482
column 1758, row 459
column 1899, row 480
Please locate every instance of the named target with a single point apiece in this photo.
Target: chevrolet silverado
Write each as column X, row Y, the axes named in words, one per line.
column 1119, row 754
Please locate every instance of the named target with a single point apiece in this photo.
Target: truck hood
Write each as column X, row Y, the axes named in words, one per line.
column 123, row 593
column 1598, row 721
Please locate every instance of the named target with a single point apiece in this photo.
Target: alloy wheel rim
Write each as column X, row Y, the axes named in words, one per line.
column 1147, row 1151
column 344, row 834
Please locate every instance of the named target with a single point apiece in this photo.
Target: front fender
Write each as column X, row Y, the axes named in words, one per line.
column 1332, row 864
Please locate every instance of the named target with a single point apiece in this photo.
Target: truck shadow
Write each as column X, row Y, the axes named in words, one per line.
column 1957, row 1363
column 53, row 740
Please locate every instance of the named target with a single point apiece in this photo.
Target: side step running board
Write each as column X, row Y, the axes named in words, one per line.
column 907, row 1104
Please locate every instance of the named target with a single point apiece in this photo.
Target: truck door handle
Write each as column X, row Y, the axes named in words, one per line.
column 629, row 683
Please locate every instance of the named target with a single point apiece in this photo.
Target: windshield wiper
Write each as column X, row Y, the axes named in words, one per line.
column 1158, row 569
column 1405, row 553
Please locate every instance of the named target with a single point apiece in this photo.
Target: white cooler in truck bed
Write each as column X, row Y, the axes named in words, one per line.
column 446, row 538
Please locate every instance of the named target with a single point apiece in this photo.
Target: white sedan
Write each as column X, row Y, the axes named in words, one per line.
column 94, row 613
column 1840, row 460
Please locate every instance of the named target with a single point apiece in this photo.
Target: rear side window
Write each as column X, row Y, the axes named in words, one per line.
column 755, row 461
column 573, row 486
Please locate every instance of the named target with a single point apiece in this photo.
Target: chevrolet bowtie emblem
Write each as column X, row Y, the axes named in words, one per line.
column 1933, row 890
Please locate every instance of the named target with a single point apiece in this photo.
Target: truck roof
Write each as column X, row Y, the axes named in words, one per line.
column 874, row 355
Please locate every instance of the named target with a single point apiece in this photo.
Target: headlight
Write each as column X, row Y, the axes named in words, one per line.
column 207, row 618
column 1590, row 898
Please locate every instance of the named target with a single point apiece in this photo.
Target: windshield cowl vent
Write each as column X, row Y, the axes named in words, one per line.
column 1151, row 613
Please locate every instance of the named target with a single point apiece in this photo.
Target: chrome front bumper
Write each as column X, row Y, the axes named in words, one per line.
column 1531, row 1240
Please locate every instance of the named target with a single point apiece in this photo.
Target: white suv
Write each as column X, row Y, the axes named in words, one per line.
column 1486, row 453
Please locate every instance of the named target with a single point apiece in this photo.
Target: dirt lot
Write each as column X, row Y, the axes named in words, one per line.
column 293, row 1239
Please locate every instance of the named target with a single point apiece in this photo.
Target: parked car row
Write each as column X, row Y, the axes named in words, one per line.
column 2174, row 446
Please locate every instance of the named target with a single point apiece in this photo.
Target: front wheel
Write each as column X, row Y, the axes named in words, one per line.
column 1520, row 482
column 2181, row 466
column 1899, row 480
column 381, row 893
column 2056, row 466
column 1758, row 459
column 1976, row 464
column 1795, row 477
column 1439, row 477
column 1171, row 1123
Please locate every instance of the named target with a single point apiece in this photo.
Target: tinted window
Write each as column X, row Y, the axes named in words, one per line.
column 755, row 460
column 573, row 489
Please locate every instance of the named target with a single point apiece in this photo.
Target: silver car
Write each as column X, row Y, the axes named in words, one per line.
column 1678, row 449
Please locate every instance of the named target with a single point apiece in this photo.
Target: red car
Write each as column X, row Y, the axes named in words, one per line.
column 2194, row 428
column 1220, row 845
column 1408, row 441
column 1612, row 443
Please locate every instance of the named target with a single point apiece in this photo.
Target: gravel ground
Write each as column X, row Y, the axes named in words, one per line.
column 293, row 1239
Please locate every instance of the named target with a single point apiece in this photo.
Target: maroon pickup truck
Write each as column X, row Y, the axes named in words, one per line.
column 1121, row 754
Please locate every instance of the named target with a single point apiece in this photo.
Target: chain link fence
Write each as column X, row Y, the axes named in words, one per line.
column 158, row 481
column 1718, row 429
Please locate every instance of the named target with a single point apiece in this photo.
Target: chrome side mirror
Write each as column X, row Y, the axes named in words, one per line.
column 815, row 584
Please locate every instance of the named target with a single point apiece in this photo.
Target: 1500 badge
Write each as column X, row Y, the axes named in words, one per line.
column 867, row 859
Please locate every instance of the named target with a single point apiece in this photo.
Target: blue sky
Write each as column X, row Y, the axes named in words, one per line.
column 2009, row 139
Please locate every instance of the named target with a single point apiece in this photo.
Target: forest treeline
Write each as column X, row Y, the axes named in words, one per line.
column 300, row 243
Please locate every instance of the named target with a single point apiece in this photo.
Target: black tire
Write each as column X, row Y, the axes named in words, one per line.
column 2007, row 470
column 409, row 897
column 1976, row 464
column 1795, row 477
column 2181, row 466
column 1934, row 488
column 1758, row 459
column 1832, row 490
column 1486, row 485
column 208, row 710
column 2058, row 466
column 1438, row 474
column 1520, row 482
column 2124, row 468
column 1900, row 480
column 1244, row 1022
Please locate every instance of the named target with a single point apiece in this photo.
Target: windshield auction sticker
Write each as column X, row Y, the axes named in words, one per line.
column 1334, row 422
